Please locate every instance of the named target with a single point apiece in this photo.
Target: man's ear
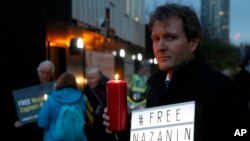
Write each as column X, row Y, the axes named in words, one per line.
column 194, row 44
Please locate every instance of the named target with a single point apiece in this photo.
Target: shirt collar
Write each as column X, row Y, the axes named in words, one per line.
column 167, row 77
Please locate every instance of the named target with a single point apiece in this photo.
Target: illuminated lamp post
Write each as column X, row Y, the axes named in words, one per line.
column 76, row 45
column 137, row 61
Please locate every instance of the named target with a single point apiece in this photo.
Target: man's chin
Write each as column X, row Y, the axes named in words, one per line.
column 164, row 68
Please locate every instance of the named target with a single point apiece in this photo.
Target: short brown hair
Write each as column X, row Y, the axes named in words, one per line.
column 66, row 79
column 190, row 20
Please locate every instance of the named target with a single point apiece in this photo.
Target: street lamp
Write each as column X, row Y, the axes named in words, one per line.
column 139, row 56
column 76, row 46
column 79, row 43
column 122, row 53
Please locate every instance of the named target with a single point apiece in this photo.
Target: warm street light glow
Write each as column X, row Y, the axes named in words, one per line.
column 80, row 81
column 79, row 43
column 122, row 53
column 133, row 57
column 139, row 56
column 151, row 61
column 114, row 53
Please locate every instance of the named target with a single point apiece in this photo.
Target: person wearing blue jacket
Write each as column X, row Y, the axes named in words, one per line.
column 65, row 92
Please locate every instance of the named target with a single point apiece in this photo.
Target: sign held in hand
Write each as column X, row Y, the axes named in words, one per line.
column 29, row 100
column 166, row 123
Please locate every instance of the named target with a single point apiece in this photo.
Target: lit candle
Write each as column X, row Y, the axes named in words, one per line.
column 45, row 97
column 117, row 104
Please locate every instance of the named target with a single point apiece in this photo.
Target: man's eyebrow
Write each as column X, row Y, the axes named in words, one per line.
column 170, row 32
column 165, row 34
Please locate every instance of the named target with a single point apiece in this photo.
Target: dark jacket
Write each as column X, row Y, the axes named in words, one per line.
column 97, row 99
column 212, row 92
column 24, row 132
column 242, row 79
column 97, row 96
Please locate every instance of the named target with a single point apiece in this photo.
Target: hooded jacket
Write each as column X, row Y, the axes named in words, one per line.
column 49, row 112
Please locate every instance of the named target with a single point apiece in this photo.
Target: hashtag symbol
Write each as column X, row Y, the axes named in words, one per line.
column 141, row 120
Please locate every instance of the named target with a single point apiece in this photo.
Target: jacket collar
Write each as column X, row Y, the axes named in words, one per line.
column 198, row 63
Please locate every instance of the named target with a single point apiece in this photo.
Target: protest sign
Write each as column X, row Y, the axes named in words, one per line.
column 165, row 123
column 29, row 100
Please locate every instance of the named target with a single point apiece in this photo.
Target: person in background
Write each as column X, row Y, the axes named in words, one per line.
column 184, row 75
column 137, row 89
column 242, row 79
column 45, row 73
column 96, row 94
column 65, row 92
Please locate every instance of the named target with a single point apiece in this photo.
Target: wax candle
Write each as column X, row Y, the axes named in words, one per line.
column 117, row 104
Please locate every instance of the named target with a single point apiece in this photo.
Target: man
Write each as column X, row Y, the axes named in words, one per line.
column 184, row 75
column 95, row 92
column 45, row 73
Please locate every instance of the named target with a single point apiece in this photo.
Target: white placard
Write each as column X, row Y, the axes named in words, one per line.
column 173, row 122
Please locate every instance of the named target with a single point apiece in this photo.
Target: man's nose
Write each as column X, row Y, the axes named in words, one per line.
column 162, row 44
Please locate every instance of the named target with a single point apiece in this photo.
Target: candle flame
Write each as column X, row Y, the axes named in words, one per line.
column 45, row 97
column 116, row 76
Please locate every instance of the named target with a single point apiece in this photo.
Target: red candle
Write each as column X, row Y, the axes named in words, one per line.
column 117, row 104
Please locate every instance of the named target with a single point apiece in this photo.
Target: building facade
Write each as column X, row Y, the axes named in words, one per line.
column 32, row 31
column 215, row 19
column 125, row 17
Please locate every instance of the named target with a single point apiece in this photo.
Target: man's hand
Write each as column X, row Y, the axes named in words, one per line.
column 18, row 124
column 106, row 119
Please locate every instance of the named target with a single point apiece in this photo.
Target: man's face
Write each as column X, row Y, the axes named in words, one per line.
column 93, row 79
column 45, row 74
column 170, row 44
